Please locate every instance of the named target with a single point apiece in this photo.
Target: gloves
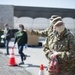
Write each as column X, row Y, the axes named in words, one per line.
column 14, row 45
column 26, row 45
column 53, row 55
column 2, row 41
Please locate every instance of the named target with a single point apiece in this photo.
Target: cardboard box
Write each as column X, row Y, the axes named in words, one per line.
column 32, row 39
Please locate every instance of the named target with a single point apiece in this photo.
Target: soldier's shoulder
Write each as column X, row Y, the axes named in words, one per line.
column 70, row 34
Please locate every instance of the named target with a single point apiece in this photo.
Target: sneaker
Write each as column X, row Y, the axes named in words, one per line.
column 24, row 58
column 22, row 63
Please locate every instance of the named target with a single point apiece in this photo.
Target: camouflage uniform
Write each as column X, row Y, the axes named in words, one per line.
column 65, row 46
column 43, row 33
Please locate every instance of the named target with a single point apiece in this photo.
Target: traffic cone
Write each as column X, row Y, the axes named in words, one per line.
column 41, row 71
column 12, row 61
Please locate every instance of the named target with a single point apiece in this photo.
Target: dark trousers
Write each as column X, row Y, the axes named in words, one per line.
column 20, row 48
column 7, row 46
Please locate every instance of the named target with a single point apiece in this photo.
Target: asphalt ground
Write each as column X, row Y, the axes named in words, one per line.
column 5, row 69
column 35, row 57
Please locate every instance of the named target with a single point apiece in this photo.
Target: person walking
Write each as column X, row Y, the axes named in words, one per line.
column 7, row 35
column 21, row 38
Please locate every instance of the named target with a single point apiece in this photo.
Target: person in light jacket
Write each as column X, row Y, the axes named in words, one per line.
column 8, row 35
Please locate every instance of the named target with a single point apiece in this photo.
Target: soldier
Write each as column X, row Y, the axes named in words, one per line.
column 46, row 32
column 61, row 46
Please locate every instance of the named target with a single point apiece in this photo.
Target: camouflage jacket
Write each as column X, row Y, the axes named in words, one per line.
column 65, row 46
column 43, row 33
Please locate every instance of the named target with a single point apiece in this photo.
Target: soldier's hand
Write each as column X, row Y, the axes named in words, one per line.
column 47, row 51
column 53, row 55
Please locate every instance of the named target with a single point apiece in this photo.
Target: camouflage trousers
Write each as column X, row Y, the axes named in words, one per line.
column 62, row 73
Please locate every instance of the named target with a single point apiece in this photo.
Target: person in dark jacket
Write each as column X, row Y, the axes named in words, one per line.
column 8, row 35
column 21, row 38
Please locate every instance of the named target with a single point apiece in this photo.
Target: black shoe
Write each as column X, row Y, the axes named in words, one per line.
column 22, row 63
column 24, row 58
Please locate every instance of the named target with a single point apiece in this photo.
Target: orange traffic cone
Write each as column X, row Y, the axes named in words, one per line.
column 12, row 61
column 41, row 71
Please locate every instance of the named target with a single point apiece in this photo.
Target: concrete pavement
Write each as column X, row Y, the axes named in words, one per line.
column 10, row 70
column 35, row 57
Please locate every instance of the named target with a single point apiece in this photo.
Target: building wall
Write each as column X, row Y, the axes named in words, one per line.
column 6, row 15
column 45, row 12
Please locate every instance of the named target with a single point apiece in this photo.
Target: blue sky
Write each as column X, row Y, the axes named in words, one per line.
column 41, row 3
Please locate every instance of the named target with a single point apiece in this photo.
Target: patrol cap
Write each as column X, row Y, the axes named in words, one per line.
column 58, row 23
column 54, row 16
column 56, row 19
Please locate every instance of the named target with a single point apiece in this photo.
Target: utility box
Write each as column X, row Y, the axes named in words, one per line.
column 32, row 39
